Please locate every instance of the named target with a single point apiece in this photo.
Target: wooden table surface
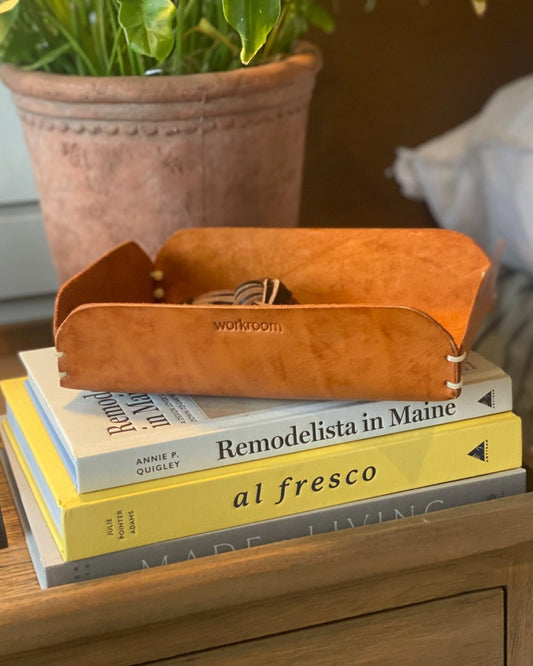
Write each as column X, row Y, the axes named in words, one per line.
column 18, row 337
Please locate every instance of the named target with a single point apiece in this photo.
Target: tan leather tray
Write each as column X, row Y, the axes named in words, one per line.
column 382, row 314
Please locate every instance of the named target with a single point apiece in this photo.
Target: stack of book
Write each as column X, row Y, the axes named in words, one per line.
column 112, row 482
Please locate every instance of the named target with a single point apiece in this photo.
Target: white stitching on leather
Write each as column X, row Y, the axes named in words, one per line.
column 455, row 385
column 456, row 359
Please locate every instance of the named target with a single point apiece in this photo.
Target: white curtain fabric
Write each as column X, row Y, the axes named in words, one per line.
column 478, row 177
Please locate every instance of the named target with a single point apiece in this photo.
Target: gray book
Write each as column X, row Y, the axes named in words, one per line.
column 52, row 570
column 3, row 535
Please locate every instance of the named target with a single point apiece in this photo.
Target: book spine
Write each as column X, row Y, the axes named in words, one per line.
column 265, row 489
column 288, row 434
column 331, row 519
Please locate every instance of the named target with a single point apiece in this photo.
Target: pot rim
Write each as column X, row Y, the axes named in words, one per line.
column 305, row 60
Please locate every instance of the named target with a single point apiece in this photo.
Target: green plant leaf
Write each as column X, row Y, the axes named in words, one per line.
column 148, row 26
column 7, row 5
column 253, row 20
column 480, row 6
column 7, row 17
column 320, row 17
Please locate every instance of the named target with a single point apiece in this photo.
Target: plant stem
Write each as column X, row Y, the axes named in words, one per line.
column 48, row 58
column 177, row 59
column 99, row 24
column 276, row 32
column 116, row 50
column 81, row 57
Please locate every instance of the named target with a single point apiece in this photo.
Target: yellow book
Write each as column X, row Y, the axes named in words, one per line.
column 118, row 518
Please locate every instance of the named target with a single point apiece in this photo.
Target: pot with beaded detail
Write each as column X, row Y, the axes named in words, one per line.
column 136, row 158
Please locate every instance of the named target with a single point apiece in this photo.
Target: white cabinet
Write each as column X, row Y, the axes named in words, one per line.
column 27, row 278
column 16, row 180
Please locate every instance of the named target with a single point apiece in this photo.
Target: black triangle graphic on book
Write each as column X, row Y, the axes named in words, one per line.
column 480, row 452
column 488, row 399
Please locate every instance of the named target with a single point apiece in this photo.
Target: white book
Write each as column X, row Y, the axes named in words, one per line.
column 111, row 439
column 51, row 569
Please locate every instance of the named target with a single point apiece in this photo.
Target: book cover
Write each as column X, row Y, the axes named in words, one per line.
column 112, row 439
column 51, row 570
column 119, row 518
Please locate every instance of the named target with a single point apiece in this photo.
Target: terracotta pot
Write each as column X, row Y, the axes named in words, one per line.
column 120, row 158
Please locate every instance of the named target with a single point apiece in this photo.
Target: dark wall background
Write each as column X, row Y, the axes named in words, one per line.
column 400, row 75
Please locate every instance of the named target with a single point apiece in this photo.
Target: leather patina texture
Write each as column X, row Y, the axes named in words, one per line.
column 380, row 314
